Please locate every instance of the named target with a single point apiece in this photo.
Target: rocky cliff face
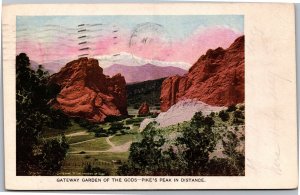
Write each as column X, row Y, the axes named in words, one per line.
column 144, row 109
column 217, row 79
column 87, row 93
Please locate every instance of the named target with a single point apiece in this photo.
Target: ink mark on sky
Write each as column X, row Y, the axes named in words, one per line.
column 177, row 40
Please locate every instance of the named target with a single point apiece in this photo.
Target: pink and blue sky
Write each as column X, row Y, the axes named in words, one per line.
column 54, row 40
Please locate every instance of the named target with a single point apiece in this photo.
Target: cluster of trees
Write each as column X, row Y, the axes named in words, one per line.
column 187, row 155
column 135, row 121
column 36, row 155
column 116, row 127
column 90, row 170
column 237, row 114
column 137, row 93
column 90, row 126
column 224, row 115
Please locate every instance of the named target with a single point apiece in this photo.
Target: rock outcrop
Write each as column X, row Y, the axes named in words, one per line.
column 144, row 109
column 183, row 110
column 217, row 79
column 87, row 93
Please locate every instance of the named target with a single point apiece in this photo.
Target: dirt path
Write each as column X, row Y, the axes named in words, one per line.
column 109, row 142
column 77, row 134
column 117, row 149
column 121, row 148
column 130, row 126
column 83, row 141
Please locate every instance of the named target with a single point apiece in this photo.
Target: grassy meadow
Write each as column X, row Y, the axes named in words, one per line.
column 107, row 151
column 101, row 149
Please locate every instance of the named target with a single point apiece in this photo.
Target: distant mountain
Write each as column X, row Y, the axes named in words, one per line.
column 135, row 74
column 34, row 66
column 129, row 59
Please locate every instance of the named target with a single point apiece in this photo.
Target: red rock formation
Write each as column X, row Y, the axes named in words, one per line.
column 217, row 78
column 144, row 109
column 87, row 93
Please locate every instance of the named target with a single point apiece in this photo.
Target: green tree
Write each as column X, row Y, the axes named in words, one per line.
column 189, row 155
column 199, row 140
column 52, row 154
column 236, row 159
column 231, row 108
column 33, row 114
column 224, row 115
column 30, row 119
column 145, row 157
column 238, row 117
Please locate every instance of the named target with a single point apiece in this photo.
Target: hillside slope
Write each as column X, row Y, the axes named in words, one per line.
column 147, row 91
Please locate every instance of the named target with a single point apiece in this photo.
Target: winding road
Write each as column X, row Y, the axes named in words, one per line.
column 117, row 149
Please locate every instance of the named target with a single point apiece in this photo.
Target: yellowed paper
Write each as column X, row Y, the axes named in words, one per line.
column 270, row 98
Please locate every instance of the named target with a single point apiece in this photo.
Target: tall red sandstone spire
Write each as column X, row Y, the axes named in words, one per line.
column 86, row 92
column 217, row 78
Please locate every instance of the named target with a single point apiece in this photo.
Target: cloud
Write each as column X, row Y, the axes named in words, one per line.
column 191, row 48
column 152, row 48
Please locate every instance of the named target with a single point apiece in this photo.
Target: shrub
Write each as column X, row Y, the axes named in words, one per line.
column 145, row 157
column 238, row 114
column 236, row 159
column 197, row 119
column 89, row 170
column 242, row 107
column 58, row 119
column 221, row 167
column 189, row 156
column 112, row 118
column 95, row 128
column 208, row 121
column 81, row 122
column 101, row 134
column 115, row 126
column 199, row 141
column 238, row 117
column 134, row 120
column 224, row 115
column 231, row 108
column 154, row 114
column 33, row 117
column 238, row 121
column 136, row 106
column 53, row 153
column 90, row 126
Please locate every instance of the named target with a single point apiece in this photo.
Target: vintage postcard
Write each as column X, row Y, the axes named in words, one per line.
column 149, row 96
